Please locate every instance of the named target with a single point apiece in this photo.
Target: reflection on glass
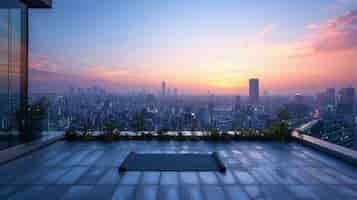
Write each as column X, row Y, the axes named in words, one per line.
column 10, row 73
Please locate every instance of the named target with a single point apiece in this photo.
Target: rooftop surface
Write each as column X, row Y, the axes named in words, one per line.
column 255, row 170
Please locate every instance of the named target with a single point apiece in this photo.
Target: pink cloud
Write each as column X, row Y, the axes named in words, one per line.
column 337, row 34
column 41, row 62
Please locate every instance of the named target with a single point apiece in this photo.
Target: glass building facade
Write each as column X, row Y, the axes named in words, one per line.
column 13, row 67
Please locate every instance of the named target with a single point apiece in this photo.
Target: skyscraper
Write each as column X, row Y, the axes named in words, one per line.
column 168, row 92
column 331, row 96
column 299, row 99
column 347, row 95
column 346, row 100
column 163, row 88
column 254, row 91
column 175, row 92
column 237, row 103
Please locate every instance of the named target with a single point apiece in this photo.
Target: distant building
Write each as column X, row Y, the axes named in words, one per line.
column 169, row 92
column 163, row 89
column 346, row 101
column 254, row 91
column 326, row 98
column 299, row 99
column 347, row 96
column 237, row 103
column 331, row 96
column 223, row 118
column 175, row 92
column 321, row 99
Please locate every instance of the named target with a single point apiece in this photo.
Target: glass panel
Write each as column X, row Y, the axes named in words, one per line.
column 15, row 64
column 11, row 27
column 4, row 76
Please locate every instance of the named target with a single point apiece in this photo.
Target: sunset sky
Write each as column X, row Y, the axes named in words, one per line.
column 199, row 45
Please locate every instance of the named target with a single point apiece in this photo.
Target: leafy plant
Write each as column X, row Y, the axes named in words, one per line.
column 109, row 131
column 279, row 130
column 283, row 114
column 214, row 134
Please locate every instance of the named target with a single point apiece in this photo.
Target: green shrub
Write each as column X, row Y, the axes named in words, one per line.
column 279, row 131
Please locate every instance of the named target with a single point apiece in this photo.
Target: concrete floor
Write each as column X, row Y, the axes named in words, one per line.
column 256, row 170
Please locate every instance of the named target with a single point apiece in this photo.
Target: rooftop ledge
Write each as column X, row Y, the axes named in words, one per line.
column 340, row 152
column 337, row 151
column 20, row 150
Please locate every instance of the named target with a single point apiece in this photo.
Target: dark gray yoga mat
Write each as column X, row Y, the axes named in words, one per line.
column 172, row 162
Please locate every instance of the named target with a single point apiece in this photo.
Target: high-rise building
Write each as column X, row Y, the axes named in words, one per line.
column 14, row 63
column 237, row 103
column 254, row 91
column 299, row 99
column 346, row 100
column 175, row 92
column 347, row 96
column 326, row 98
column 321, row 99
column 168, row 91
column 163, row 89
column 331, row 96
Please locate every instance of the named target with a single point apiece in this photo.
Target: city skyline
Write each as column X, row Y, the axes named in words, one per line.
column 184, row 43
column 253, row 94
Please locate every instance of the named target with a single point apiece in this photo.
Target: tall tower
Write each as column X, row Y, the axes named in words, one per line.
column 254, row 91
column 331, row 96
column 237, row 103
column 347, row 96
column 163, row 88
column 299, row 99
column 175, row 92
column 346, row 100
column 168, row 92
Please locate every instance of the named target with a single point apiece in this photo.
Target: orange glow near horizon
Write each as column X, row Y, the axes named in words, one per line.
column 322, row 58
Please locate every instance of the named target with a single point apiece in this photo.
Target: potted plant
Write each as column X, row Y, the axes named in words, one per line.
column 108, row 132
column 214, row 134
column 283, row 127
column 85, row 130
column 138, row 122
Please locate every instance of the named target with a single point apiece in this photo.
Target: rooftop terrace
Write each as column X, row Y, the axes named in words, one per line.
column 255, row 170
